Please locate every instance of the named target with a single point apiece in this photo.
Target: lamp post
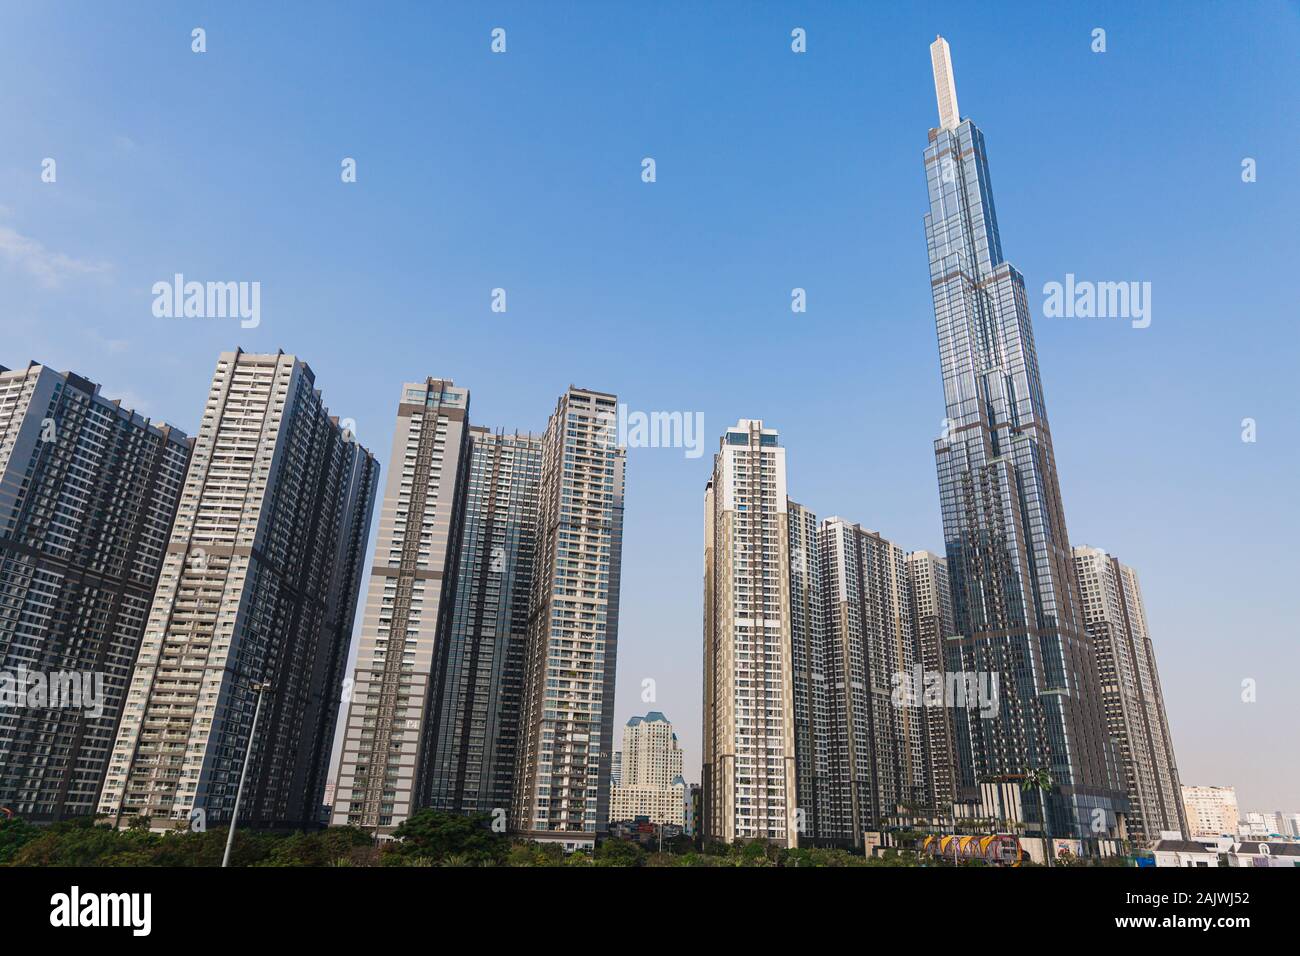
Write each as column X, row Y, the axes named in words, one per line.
column 260, row 687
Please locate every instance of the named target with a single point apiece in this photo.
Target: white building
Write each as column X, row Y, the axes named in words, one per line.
column 749, row 788
column 1183, row 853
column 1265, row 853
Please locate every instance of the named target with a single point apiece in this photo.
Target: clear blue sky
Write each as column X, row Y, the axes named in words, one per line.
column 775, row 170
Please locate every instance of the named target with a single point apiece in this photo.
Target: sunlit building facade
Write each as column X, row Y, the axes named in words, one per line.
column 258, row 585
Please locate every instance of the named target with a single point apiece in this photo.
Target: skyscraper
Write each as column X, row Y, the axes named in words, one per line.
column 388, row 743
column 1135, row 705
column 651, row 781
column 259, row 584
column 932, row 619
column 1015, row 599
column 88, row 493
column 561, row 787
column 478, row 670
column 749, row 776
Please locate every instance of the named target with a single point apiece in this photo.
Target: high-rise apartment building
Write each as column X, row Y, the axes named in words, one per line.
column 1211, row 811
column 88, row 493
column 1116, row 620
column 258, row 586
column 388, row 742
column 749, row 776
column 651, row 783
column 1015, row 599
column 561, row 787
column 875, row 736
column 932, row 620
column 812, row 733
column 478, row 670
column 812, row 698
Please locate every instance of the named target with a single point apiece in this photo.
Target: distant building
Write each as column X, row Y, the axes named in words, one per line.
column 1211, row 811
column 651, row 784
column 1261, row 824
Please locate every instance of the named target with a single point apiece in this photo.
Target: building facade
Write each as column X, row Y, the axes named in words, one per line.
column 388, row 741
column 651, row 783
column 812, row 695
column 875, row 738
column 1115, row 618
column 749, row 779
column 88, row 494
column 258, row 584
column 931, row 604
column 1015, row 600
column 478, row 672
column 1211, row 811
column 566, row 728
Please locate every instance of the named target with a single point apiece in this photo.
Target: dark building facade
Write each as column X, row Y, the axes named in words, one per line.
column 88, row 493
column 1014, row 594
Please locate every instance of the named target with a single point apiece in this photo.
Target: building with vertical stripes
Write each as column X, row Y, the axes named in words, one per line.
column 1116, row 619
column 88, row 494
column 258, row 585
column 561, row 787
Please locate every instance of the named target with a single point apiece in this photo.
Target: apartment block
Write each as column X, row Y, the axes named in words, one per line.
column 1116, row 621
column 1211, row 811
column 88, row 494
column 749, row 766
column 479, row 669
column 812, row 697
column 561, row 787
column 389, row 741
column 258, row 585
column 932, row 620
column 876, row 737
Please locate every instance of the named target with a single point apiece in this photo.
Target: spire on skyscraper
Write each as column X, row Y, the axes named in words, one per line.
column 945, row 87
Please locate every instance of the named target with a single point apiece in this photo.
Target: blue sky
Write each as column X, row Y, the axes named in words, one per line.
column 774, row 171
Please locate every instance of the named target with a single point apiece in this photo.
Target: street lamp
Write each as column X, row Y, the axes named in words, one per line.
column 258, row 686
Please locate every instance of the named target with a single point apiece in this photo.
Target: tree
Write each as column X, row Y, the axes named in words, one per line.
column 436, row 835
column 15, row 834
column 615, row 852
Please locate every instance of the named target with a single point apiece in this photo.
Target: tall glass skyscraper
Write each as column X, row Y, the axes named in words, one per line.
column 1015, row 598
